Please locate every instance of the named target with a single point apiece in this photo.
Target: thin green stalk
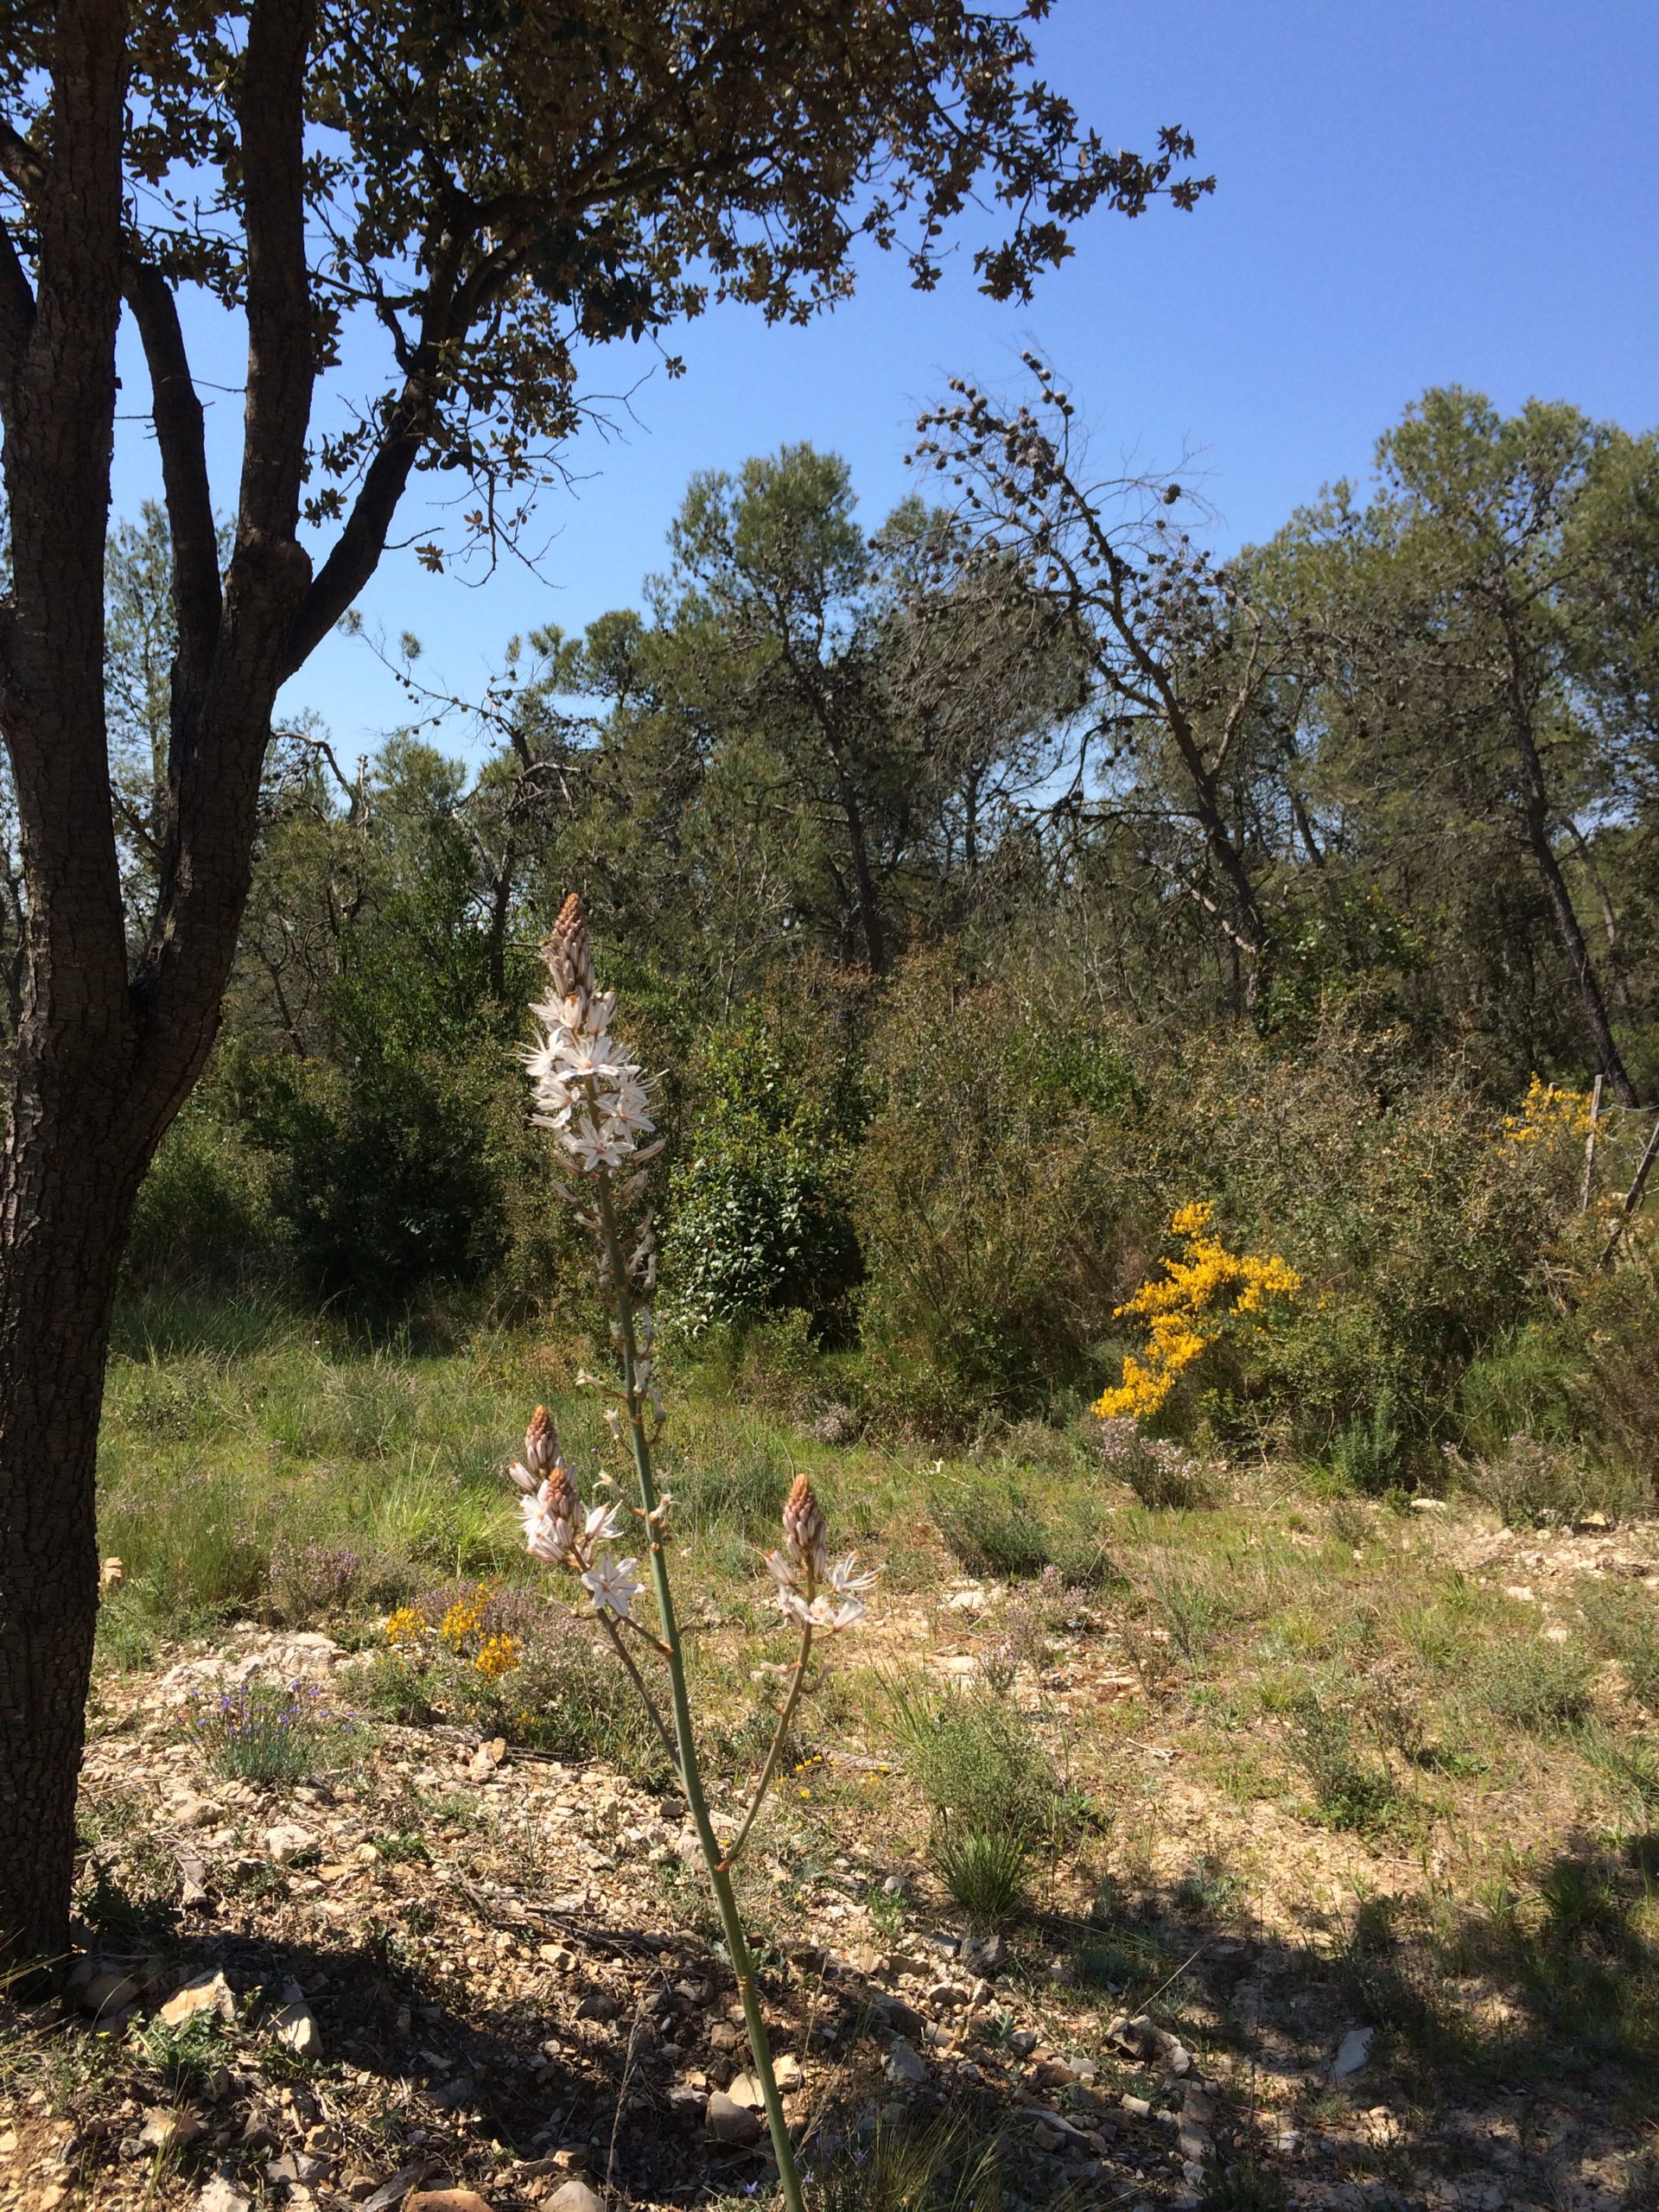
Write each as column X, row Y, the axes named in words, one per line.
column 690, row 1772
column 639, row 1681
column 766, row 1772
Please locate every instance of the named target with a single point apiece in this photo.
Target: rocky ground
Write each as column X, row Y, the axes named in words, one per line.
column 456, row 1967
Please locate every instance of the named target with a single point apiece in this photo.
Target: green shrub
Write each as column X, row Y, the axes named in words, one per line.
column 986, row 1870
column 740, row 1484
column 1531, row 1485
column 985, row 1206
column 1351, row 1788
column 1366, row 1455
column 758, row 1219
column 1525, row 1384
column 267, row 1733
column 206, row 1214
column 1535, row 1684
column 995, row 1798
column 384, row 1171
column 989, row 1524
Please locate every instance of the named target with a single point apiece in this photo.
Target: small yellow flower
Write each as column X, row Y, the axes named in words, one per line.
column 499, row 1655
column 1549, row 1116
column 464, row 1618
column 405, row 1628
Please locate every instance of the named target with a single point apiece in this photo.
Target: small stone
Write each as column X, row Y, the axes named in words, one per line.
column 219, row 2195
column 204, row 1993
column 598, row 2004
column 487, row 1758
column 787, row 2068
column 745, row 2089
column 903, row 2019
column 575, row 2196
column 1153, row 2046
column 730, row 2123
column 105, row 1993
column 164, row 2129
column 446, row 2200
column 393, row 2192
column 287, row 1841
column 1023, row 2042
column 1353, row 2052
column 906, row 2063
column 296, row 2169
column 295, row 2027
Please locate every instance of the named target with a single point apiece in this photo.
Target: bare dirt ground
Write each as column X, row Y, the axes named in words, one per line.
column 461, row 1966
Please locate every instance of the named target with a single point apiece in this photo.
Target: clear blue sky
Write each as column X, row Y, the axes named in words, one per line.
column 1409, row 193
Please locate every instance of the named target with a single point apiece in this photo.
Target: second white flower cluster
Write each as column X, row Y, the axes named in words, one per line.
column 561, row 1534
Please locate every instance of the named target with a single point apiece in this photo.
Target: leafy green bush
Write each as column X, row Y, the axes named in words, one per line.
column 1366, row 1456
column 385, row 1173
column 1535, row 1684
column 984, row 1206
column 758, row 1216
column 206, row 1214
column 1351, row 1788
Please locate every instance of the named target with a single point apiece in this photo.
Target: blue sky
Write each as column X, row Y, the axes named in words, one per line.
column 1409, row 193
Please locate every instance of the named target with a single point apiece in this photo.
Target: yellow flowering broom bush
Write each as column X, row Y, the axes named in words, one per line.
column 1189, row 1308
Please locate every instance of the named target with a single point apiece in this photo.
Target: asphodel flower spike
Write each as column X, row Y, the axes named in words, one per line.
column 594, row 1102
column 805, row 1537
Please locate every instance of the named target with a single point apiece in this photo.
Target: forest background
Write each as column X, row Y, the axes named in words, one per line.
column 995, row 882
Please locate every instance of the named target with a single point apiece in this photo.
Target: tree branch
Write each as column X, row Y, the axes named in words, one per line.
column 17, row 316
column 356, row 552
column 218, row 750
column 178, row 417
column 281, row 368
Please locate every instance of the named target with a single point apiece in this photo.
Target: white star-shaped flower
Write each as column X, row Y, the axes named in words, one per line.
column 612, row 1585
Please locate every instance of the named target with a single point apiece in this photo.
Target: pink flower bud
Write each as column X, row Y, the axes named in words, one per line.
column 541, row 1445
column 804, row 1533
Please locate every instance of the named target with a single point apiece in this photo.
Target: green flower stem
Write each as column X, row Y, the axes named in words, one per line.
column 766, row 1772
column 639, row 1681
column 690, row 1773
